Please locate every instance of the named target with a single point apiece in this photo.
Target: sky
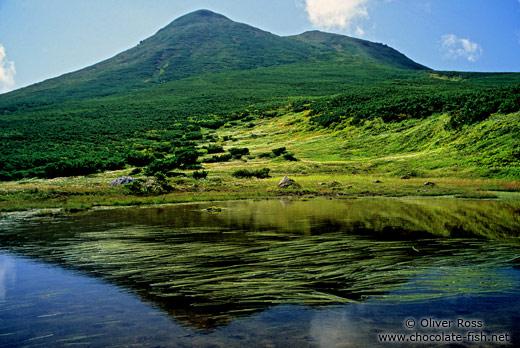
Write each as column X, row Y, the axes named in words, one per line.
column 40, row 39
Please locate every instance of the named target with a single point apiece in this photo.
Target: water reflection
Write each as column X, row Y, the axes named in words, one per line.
column 7, row 275
column 207, row 267
column 337, row 328
column 51, row 307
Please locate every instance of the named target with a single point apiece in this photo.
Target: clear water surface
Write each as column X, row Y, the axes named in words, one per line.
column 276, row 273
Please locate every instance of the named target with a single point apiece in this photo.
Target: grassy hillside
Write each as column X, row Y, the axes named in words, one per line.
column 374, row 159
column 164, row 99
column 199, row 43
column 352, row 48
column 412, row 148
column 86, row 136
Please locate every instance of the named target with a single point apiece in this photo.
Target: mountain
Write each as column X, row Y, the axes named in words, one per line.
column 206, row 42
column 204, row 71
column 351, row 47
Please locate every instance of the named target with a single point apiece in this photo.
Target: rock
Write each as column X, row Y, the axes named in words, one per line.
column 123, row 180
column 429, row 184
column 378, row 182
column 286, row 182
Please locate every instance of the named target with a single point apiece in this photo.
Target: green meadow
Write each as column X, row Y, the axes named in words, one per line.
column 408, row 158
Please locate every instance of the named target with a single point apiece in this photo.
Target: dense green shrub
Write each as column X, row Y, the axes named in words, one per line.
column 199, row 175
column 139, row 159
column 238, row 152
column 265, row 155
column 161, row 165
column 212, row 148
column 195, row 135
column 300, row 105
column 185, row 158
column 279, row 151
column 227, row 138
column 245, row 173
column 212, row 123
column 212, row 138
column 155, row 185
column 289, row 157
column 136, row 171
column 175, row 175
column 509, row 105
column 216, row 159
column 76, row 167
column 466, row 106
column 41, row 136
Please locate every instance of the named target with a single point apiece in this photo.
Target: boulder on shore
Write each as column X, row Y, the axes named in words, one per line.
column 123, row 180
column 286, row 182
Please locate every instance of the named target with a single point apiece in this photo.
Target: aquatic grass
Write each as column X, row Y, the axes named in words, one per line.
column 207, row 268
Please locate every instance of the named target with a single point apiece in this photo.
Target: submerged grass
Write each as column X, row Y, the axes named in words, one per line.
column 208, row 263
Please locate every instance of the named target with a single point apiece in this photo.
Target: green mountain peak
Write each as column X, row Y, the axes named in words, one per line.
column 205, row 42
column 202, row 15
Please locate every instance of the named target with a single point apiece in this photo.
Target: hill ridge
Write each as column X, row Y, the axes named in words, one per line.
column 197, row 43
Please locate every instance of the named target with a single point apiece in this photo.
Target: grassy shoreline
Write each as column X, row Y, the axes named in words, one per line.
column 82, row 193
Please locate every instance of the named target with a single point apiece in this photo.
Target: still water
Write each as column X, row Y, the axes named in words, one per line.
column 277, row 273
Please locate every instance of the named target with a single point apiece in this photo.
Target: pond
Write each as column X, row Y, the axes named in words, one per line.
column 317, row 273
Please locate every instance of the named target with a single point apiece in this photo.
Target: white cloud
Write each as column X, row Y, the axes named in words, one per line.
column 7, row 72
column 330, row 14
column 456, row 47
column 359, row 31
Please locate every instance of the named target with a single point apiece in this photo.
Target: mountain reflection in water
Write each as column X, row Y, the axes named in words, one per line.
column 206, row 267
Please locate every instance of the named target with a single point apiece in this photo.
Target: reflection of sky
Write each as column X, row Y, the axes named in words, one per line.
column 91, row 312
column 341, row 328
column 7, row 274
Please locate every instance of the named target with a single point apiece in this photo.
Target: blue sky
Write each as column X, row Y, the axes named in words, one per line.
column 40, row 39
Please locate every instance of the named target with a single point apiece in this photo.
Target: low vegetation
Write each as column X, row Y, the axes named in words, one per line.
column 151, row 186
column 477, row 162
column 362, row 113
column 465, row 106
column 245, row 173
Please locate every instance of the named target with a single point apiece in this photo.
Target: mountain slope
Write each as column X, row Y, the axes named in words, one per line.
column 198, row 43
column 204, row 42
column 364, row 50
column 204, row 71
